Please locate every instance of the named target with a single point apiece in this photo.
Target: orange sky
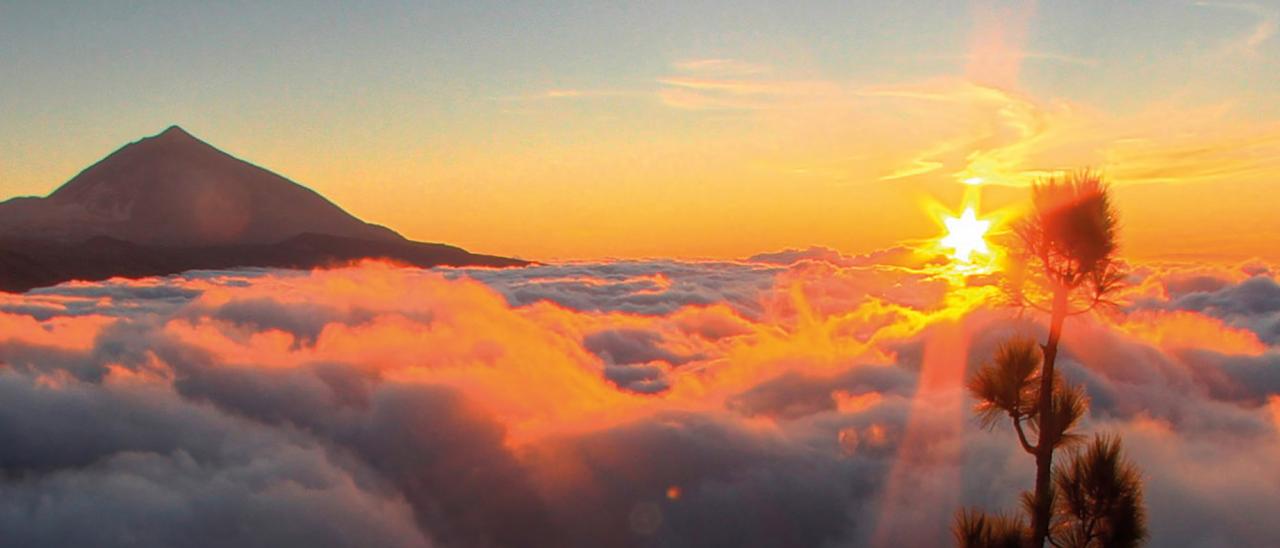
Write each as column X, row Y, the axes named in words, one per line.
column 672, row 143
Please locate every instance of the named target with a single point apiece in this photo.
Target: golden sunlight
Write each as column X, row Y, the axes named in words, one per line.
column 966, row 235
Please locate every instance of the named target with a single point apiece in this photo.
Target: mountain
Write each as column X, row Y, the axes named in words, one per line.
column 174, row 189
column 172, row 202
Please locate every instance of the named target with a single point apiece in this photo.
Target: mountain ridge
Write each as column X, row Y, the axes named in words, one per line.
column 175, row 189
column 172, row 202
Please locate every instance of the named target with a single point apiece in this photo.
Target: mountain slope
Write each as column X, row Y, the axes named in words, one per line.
column 171, row 203
column 174, row 189
column 28, row 264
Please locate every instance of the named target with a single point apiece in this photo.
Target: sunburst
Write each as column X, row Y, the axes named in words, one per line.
column 966, row 235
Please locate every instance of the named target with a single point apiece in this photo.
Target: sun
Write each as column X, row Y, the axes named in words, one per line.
column 966, row 235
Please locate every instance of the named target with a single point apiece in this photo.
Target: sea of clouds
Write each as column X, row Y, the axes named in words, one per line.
column 802, row 398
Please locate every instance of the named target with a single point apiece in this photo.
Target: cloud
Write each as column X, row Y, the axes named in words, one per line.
column 981, row 125
column 124, row 464
column 1263, row 29
column 802, row 397
column 720, row 66
column 303, row 321
column 724, row 84
column 571, row 94
column 642, row 287
column 1253, row 304
column 896, row 256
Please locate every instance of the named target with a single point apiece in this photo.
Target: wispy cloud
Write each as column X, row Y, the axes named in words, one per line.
column 720, row 66
column 698, row 84
column 554, row 94
column 1003, row 129
column 726, row 84
column 955, row 128
column 1013, row 138
column 1204, row 157
column 1264, row 27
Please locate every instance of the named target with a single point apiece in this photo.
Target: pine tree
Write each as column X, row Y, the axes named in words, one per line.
column 1064, row 264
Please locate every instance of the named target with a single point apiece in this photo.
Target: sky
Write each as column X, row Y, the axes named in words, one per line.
column 676, row 129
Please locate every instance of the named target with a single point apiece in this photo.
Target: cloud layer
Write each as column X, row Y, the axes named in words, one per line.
column 801, row 399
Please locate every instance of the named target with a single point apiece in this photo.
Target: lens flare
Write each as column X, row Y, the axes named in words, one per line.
column 966, row 235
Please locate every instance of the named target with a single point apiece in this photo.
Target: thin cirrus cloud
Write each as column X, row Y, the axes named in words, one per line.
column 858, row 141
column 392, row 406
column 1264, row 28
column 729, row 84
column 1018, row 138
column 701, row 93
column 569, row 94
column 720, row 66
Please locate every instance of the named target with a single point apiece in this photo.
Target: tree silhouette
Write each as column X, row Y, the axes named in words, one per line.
column 974, row 529
column 1068, row 243
column 1097, row 504
column 1011, row 385
column 1063, row 263
column 1099, row 501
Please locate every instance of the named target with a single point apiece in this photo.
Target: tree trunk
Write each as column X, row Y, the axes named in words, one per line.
column 1045, row 446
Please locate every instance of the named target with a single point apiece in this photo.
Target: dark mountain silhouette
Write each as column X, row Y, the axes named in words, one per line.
column 174, row 189
column 172, row 202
